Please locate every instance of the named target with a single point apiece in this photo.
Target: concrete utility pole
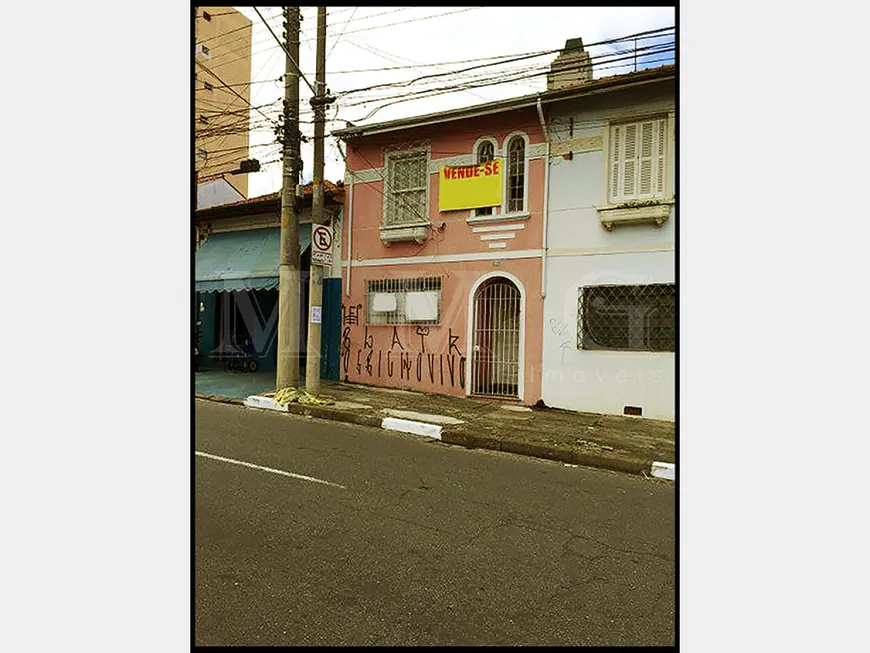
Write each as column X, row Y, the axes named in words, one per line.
column 315, row 286
column 288, row 271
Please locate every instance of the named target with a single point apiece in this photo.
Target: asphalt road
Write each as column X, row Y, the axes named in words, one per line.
column 417, row 542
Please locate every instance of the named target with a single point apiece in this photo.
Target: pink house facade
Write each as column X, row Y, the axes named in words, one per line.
column 444, row 301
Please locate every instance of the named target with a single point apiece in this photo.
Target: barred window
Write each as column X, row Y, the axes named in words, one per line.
column 485, row 152
column 516, row 174
column 406, row 189
column 404, row 301
column 628, row 318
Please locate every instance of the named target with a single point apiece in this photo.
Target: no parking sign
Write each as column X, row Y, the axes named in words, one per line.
column 321, row 245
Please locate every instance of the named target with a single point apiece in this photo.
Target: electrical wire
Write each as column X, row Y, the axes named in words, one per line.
column 287, row 52
column 471, row 79
column 383, row 13
column 484, row 65
column 204, row 67
column 412, row 20
column 500, row 78
column 342, row 33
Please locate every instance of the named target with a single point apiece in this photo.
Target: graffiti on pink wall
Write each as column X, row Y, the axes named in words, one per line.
column 398, row 359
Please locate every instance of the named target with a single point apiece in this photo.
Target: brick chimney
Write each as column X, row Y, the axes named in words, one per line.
column 573, row 66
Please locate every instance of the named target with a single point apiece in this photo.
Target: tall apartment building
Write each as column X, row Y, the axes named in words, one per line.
column 223, row 75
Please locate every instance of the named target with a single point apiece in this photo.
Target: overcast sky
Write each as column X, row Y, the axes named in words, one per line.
column 372, row 40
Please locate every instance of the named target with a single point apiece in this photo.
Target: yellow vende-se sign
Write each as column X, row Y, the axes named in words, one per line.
column 470, row 187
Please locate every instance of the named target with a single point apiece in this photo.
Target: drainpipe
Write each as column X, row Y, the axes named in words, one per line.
column 546, row 200
column 349, row 234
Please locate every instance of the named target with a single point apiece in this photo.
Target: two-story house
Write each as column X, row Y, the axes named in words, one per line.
column 466, row 230
column 609, row 316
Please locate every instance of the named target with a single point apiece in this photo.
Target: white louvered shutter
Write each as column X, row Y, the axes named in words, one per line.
column 645, row 160
column 616, row 133
column 629, row 179
column 661, row 157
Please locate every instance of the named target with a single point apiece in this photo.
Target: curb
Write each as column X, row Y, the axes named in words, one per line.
column 615, row 463
column 625, row 464
column 664, row 470
column 219, row 399
column 321, row 412
column 425, row 429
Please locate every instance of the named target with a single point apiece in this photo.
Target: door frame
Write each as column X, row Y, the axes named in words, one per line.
column 472, row 293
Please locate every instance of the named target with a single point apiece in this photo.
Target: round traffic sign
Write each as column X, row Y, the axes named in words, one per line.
column 322, row 238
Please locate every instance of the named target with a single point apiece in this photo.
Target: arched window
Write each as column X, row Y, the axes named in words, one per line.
column 516, row 151
column 485, row 152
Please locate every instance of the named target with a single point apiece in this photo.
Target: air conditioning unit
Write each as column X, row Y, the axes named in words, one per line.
column 203, row 51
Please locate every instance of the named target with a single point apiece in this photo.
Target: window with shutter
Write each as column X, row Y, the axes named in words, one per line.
column 638, row 160
column 406, row 189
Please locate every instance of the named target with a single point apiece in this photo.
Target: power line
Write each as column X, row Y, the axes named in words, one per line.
column 426, row 65
column 287, row 52
column 447, row 90
column 232, row 90
column 394, row 59
column 485, row 65
column 412, row 20
column 383, row 13
column 342, row 32
column 512, row 75
column 450, row 89
column 516, row 76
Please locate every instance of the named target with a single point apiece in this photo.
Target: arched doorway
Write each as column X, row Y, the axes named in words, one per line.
column 495, row 340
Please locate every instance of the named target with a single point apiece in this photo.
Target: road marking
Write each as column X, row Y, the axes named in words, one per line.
column 268, row 469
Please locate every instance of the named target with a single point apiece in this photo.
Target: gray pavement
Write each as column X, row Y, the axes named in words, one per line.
column 628, row 444
column 425, row 543
column 233, row 385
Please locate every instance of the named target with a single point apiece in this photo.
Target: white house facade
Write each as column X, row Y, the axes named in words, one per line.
column 609, row 254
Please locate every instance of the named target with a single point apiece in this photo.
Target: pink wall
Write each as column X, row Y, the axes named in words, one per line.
column 371, row 352
column 457, row 236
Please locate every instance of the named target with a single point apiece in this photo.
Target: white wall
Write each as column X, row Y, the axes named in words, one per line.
column 603, row 381
column 215, row 193
column 582, row 252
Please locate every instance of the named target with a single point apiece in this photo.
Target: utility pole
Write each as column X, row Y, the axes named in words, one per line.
column 315, row 279
column 288, row 271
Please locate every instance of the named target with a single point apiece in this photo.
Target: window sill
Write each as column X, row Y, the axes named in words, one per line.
column 416, row 232
column 651, row 212
column 501, row 217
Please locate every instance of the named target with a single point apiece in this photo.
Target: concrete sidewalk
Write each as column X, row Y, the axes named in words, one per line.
column 625, row 444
